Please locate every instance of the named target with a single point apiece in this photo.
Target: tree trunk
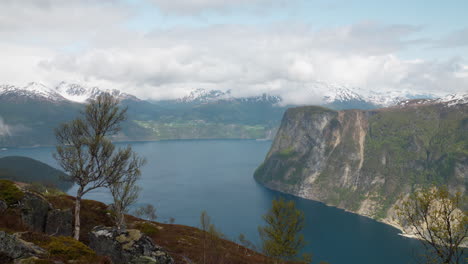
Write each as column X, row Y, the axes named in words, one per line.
column 76, row 233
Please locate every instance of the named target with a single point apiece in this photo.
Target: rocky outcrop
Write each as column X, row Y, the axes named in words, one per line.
column 40, row 216
column 14, row 248
column 363, row 160
column 34, row 211
column 3, row 206
column 130, row 246
column 59, row 222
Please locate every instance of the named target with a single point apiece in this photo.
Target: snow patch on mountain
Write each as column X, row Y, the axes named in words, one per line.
column 81, row 94
column 62, row 92
column 449, row 101
column 209, row 96
column 31, row 90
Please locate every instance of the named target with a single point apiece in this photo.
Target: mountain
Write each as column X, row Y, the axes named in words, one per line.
column 363, row 160
column 29, row 114
column 81, row 94
column 27, row 170
column 32, row 91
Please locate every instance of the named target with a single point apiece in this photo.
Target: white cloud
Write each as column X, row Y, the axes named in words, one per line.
column 194, row 7
column 4, row 128
column 84, row 41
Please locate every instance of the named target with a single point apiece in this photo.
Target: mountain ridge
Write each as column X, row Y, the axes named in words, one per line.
column 332, row 94
column 363, row 160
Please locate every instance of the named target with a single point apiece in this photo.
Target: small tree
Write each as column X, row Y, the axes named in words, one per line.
column 211, row 237
column 147, row 212
column 125, row 193
column 434, row 215
column 281, row 238
column 205, row 223
column 85, row 152
column 246, row 243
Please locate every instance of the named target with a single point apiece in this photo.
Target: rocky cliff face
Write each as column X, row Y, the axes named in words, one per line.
column 363, row 161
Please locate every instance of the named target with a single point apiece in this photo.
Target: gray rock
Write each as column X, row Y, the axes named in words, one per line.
column 34, row 210
column 3, row 206
column 59, row 222
column 130, row 246
column 15, row 248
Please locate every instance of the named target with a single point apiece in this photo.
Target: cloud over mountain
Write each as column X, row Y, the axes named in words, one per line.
column 96, row 42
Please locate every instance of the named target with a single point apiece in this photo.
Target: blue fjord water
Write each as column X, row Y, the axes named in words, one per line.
column 184, row 177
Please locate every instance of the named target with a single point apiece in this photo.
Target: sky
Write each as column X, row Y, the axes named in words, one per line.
column 163, row 49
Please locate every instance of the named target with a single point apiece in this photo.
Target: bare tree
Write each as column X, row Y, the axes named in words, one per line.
column 125, row 193
column 86, row 153
column 435, row 217
column 147, row 212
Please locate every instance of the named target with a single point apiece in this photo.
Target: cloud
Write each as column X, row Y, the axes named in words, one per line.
column 4, row 128
column 452, row 40
column 251, row 60
column 195, row 7
column 87, row 41
column 55, row 23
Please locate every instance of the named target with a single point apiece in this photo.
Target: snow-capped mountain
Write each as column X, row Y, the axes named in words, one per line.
column 32, row 90
column 62, row 92
column 201, row 96
column 204, row 96
column 341, row 94
column 449, row 100
column 80, row 94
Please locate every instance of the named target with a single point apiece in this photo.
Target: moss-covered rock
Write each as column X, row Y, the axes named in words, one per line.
column 130, row 246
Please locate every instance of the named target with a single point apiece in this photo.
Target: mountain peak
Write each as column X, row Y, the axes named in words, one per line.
column 80, row 94
column 448, row 101
column 201, row 95
column 62, row 92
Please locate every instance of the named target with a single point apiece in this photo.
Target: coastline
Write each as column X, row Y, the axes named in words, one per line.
column 385, row 221
column 5, row 148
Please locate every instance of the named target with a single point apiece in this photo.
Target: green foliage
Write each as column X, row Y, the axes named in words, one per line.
column 24, row 169
column 44, row 190
column 436, row 217
column 286, row 153
column 60, row 247
column 404, row 148
column 200, row 129
column 9, row 192
column 148, row 228
column 281, row 238
column 68, row 248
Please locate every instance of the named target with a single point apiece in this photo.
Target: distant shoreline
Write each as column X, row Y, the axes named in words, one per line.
column 5, row 148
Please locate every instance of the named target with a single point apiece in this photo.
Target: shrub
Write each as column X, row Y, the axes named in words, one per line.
column 68, row 248
column 64, row 248
column 147, row 228
column 43, row 189
column 9, row 192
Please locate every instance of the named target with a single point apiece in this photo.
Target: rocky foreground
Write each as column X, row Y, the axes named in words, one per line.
column 36, row 228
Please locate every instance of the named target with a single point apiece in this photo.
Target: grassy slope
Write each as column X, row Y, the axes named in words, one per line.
column 182, row 242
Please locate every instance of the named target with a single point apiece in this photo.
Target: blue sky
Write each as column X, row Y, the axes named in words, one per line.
column 166, row 48
column 436, row 20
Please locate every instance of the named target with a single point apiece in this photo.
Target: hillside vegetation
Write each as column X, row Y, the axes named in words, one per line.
column 23, row 169
column 363, row 161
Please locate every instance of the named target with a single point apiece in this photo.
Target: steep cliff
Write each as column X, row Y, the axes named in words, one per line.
column 364, row 160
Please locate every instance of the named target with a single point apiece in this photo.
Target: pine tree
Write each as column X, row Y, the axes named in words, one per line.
column 281, row 238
